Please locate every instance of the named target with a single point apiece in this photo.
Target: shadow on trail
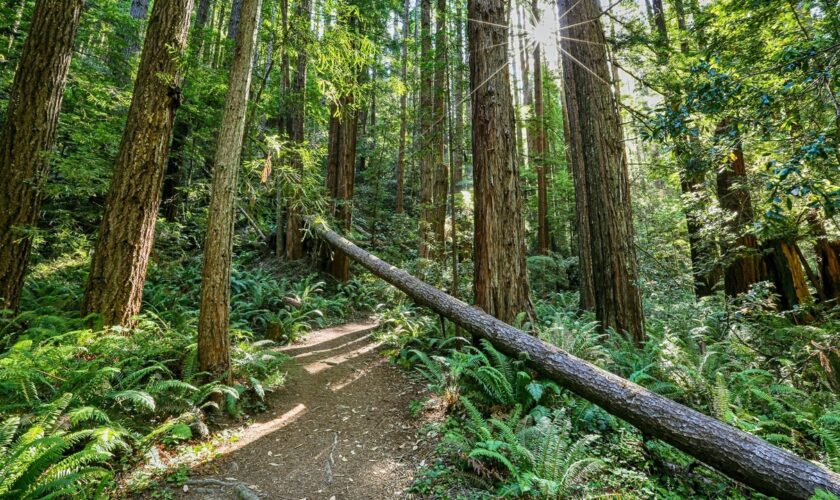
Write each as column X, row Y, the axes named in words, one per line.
column 339, row 428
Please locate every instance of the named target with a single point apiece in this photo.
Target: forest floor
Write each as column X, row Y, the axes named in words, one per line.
column 340, row 428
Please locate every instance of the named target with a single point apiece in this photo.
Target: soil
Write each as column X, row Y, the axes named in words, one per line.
column 339, row 428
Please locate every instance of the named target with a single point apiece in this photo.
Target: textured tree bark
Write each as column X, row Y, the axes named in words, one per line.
column 458, row 104
column 606, row 247
column 538, row 155
column 403, row 111
column 738, row 454
column 202, row 14
column 828, row 259
column 744, row 270
column 441, row 174
column 427, row 164
column 126, row 233
column 527, row 94
column 234, row 19
column 214, row 316
column 28, row 133
column 782, row 263
column 341, row 163
column 501, row 276
column 296, row 128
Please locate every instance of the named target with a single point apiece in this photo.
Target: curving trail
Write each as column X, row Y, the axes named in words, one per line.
column 338, row 429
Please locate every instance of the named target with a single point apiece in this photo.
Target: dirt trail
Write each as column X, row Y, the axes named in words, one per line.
column 339, row 428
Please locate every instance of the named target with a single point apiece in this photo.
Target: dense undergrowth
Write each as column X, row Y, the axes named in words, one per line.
column 510, row 433
column 81, row 404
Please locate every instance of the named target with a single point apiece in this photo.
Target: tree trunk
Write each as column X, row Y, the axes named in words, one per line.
column 538, row 155
column 441, row 175
column 736, row 453
column 233, row 20
column 661, row 39
column 28, row 133
column 501, row 276
column 138, row 10
column 828, row 259
column 170, row 197
column 218, row 44
column 341, row 163
column 606, row 246
column 425, row 144
column 785, row 271
column 214, row 316
column 403, row 111
column 118, row 267
column 458, row 97
column 744, row 268
column 202, row 14
column 296, row 128
column 527, row 90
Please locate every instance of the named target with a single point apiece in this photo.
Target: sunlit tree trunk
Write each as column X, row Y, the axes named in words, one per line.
column 744, row 269
column 606, row 244
column 214, row 316
column 28, row 133
column 784, row 268
column 121, row 255
column 501, row 278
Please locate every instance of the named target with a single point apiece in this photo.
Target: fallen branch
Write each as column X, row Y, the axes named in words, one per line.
column 738, row 454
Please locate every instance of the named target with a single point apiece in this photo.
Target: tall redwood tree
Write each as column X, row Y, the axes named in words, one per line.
column 501, row 276
column 605, row 236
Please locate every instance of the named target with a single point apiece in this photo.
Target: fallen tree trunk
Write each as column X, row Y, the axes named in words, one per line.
column 738, row 454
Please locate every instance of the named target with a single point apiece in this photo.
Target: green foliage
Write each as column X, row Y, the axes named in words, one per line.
column 57, row 455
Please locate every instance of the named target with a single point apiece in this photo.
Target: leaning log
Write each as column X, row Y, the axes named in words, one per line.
column 738, row 454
